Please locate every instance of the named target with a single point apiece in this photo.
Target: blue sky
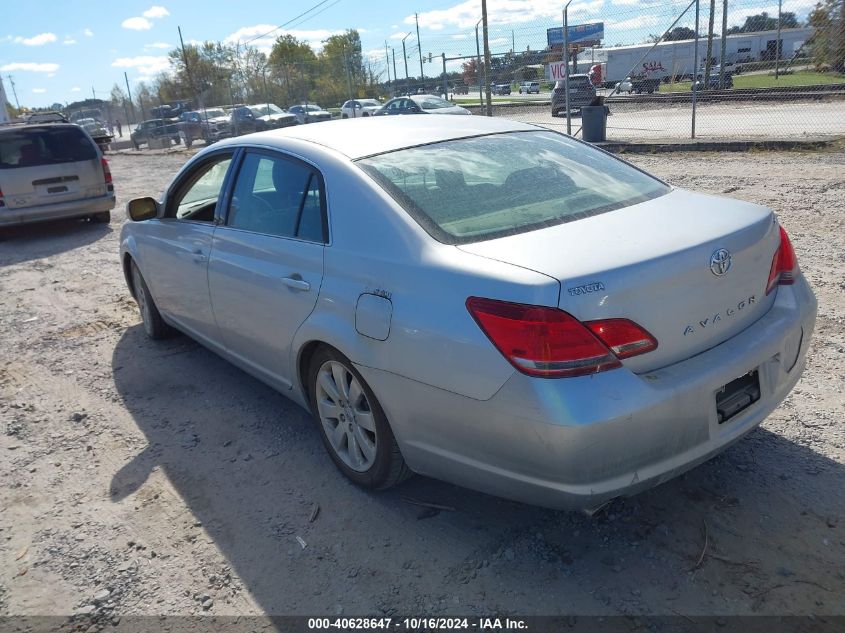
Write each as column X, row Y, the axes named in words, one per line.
column 59, row 56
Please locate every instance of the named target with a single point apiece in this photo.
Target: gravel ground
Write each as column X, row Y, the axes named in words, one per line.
column 155, row 478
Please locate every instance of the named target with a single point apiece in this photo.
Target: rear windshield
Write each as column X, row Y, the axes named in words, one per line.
column 474, row 189
column 31, row 147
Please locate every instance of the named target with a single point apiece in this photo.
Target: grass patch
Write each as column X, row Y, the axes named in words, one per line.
column 802, row 78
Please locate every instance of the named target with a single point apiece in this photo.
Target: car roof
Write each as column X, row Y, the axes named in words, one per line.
column 377, row 135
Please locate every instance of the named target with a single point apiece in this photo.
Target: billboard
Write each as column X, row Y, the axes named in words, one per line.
column 579, row 34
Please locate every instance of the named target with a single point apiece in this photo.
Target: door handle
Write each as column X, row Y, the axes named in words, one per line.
column 297, row 283
column 198, row 255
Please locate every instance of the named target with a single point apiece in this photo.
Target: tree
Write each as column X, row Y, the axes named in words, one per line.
column 827, row 45
column 293, row 64
column 679, row 33
column 469, row 72
column 765, row 22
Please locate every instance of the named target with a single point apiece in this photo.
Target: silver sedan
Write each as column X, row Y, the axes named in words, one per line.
column 478, row 300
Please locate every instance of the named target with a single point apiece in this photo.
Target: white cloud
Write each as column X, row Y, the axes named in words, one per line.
column 88, row 33
column 464, row 15
column 145, row 64
column 68, row 41
column 639, row 22
column 161, row 45
column 261, row 37
column 137, row 24
column 398, row 35
column 76, row 89
column 39, row 90
column 30, row 67
column 36, row 40
column 156, row 11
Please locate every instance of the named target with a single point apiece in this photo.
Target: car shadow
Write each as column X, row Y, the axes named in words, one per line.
column 751, row 531
column 26, row 242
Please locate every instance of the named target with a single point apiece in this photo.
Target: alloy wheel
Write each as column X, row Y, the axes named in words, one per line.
column 346, row 416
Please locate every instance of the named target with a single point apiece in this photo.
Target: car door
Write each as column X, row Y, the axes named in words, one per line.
column 174, row 250
column 266, row 263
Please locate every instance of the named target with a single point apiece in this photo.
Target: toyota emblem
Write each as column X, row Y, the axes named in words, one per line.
column 720, row 262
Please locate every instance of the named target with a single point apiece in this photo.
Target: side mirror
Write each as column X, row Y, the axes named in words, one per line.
column 141, row 209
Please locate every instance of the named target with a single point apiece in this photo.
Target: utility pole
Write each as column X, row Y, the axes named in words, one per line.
column 405, row 55
column 188, row 68
column 777, row 45
column 445, row 78
column 566, row 67
column 129, row 94
column 695, row 65
column 724, row 44
column 395, row 76
column 387, row 61
column 419, row 47
column 708, row 62
column 14, row 92
column 486, row 57
column 478, row 65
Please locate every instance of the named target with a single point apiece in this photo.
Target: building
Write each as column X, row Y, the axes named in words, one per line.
column 676, row 59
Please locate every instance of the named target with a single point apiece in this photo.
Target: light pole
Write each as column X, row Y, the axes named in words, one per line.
column 405, row 56
column 478, row 65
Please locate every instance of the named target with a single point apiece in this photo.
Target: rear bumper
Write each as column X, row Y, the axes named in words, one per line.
column 46, row 212
column 578, row 442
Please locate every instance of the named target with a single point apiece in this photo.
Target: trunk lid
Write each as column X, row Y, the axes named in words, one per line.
column 651, row 263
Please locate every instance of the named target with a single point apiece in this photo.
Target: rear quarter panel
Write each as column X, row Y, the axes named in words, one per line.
column 377, row 248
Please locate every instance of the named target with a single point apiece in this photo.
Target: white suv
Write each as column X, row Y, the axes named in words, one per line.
column 51, row 171
column 529, row 86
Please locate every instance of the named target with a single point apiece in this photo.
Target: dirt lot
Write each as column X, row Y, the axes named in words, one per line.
column 155, row 478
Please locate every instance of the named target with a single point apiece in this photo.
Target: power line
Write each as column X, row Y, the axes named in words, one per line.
column 322, row 2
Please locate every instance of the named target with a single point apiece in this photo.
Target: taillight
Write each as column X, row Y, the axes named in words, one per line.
column 2, row 202
column 106, row 170
column 624, row 338
column 550, row 343
column 784, row 268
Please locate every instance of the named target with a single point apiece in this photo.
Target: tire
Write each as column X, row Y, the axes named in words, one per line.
column 137, row 147
column 154, row 325
column 352, row 424
column 345, row 116
column 104, row 217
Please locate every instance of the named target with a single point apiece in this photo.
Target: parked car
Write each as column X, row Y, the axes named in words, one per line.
column 154, row 129
column 625, row 86
column 355, row 108
column 216, row 124
column 581, row 93
column 529, row 87
column 272, row 115
column 243, row 121
column 420, row 104
column 478, row 300
column 97, row 131
column 500, row 89
column 190, row 127
column 712, row 82
column 309, row 113
column 460, row 89
column 51, row 171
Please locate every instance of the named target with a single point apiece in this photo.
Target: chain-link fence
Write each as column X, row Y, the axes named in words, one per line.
column 726, row 69
column 761, row 73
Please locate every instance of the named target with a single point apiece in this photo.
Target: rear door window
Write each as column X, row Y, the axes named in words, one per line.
column 278, row 196
column 49, row 145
